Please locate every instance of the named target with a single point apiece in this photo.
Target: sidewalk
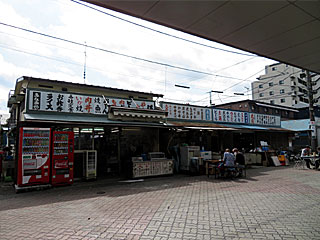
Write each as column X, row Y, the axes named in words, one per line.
column 271, row 203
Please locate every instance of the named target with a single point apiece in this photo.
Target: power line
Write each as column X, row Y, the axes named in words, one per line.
column 117, row 53
column 163, row 33
column 73, row 63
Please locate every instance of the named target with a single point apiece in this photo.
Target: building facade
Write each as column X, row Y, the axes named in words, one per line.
column 121, row 125
column 284, row 85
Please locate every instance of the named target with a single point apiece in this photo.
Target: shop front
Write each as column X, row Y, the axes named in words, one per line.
column 213, row 130
column 107, row 128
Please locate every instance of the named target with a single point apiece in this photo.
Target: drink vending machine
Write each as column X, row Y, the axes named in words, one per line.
column 34, row 157
column 62, row 158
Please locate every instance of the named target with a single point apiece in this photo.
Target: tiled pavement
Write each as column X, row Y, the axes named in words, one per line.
column 271, row 203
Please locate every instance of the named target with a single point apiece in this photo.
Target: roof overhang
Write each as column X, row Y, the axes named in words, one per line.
column 286, row 31
column 257, row 128
column 81, row 120
column 198, row 126
column 276, row 107
column 136, row 114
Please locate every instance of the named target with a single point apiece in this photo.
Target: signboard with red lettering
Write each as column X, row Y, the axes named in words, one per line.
column 59, row 102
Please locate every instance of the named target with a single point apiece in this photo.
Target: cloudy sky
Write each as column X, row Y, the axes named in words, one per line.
column 130, row 56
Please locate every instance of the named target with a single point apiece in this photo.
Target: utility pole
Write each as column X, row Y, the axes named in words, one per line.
column 212, row 91
column 313, row 134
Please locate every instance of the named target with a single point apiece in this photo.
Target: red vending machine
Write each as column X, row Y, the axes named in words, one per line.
column 34, row 157
column 62, row 158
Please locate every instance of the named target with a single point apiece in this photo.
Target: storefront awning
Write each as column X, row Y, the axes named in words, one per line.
column 85, row 120
column 258, row 128
column 136, row 114
column 199, row 126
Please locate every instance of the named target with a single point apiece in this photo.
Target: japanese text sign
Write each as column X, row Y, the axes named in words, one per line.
column 75, row 103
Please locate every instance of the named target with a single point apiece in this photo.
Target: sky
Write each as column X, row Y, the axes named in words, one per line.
column 118, row 51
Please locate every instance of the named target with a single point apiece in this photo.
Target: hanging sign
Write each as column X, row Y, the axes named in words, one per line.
column 75, row 103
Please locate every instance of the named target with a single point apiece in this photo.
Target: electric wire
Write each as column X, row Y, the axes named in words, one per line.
column 119, row 54
column 161, row 32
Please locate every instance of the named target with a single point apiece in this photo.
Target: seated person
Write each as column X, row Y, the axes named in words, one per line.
column 228, row 159
column 304, row 153
column 240, row 161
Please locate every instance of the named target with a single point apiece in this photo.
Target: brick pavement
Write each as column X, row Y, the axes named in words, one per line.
column 271, row 203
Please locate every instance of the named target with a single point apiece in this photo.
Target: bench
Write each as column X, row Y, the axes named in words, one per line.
column 228, row 171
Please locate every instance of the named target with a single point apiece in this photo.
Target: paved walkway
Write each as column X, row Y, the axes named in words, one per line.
column 271, row 203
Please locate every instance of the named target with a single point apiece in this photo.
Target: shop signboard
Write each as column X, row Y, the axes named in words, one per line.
column 237, row 117
column 187, row 112
column 39, row 100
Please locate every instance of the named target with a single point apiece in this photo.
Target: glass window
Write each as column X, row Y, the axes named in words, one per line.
column 281, row 91
column 272, row 101
column 261, row 86
column 270, row 84
column 274, row 68
column 261, row 95
column 281, row 82
column 271, row 93
column 282, row 100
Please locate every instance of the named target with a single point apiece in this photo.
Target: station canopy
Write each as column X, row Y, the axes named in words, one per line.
column 282, row 30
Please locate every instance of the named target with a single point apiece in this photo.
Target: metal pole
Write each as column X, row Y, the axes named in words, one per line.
column 313, row 135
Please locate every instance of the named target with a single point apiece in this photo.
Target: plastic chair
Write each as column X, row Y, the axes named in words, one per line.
column 299, row 163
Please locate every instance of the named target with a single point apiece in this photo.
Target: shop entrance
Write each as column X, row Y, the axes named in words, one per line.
column 100, row 145
column 244, row 141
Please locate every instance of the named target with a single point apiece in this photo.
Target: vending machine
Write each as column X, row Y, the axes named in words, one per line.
column 34, row 157
column 62, row 158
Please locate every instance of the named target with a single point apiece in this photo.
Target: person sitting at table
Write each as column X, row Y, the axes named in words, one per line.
column 305, row 153
column 239, row 160
column 228, row 160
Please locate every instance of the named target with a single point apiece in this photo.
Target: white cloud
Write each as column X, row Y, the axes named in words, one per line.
column 80, row 24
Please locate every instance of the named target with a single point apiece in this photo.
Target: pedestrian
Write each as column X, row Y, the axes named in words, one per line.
column 239, row 160
column 306, row 152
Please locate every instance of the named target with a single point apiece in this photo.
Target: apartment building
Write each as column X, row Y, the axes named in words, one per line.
column 284, row 85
